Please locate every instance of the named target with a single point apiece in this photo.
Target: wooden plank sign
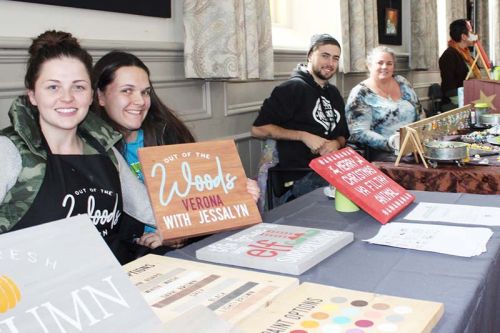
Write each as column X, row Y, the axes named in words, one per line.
column 316, row 308
column 197, row 188
column 363, row 183
column 175, row 286
column 432, row 128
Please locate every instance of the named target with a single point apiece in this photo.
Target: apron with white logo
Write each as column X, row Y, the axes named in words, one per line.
column 83, row 184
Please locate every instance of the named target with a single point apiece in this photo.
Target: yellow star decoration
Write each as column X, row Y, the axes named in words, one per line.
column 486, row 99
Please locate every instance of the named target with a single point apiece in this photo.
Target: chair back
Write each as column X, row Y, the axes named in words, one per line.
column 435, row 96
column 272, row 177
column 268, row 159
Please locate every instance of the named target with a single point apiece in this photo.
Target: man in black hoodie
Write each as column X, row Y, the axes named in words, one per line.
column 305, row 115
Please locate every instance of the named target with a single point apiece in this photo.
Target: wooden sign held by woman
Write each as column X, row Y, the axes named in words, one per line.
column 197, row 188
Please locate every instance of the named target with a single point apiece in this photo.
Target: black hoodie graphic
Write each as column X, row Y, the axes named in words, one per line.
column 301, row 104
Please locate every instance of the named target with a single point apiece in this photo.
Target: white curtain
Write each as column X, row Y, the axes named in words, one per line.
column 455, row 9
column 496, row 41
column 359, row 32
column 482, row 25
column 228, row 39
column 424, row 44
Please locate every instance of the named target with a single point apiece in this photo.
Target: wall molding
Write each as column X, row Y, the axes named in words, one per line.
column 421, row 85
column 98, row 44
column 238, row 108
column 285, row 61
column 8, row 90
column 241, row 108
column 238, row 137
column 12, row 90
column 15, row 50
column 205, row 112
column 9, row 56
column 14, row 55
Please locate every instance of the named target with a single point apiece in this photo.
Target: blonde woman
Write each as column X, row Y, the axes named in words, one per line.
column 380, row 105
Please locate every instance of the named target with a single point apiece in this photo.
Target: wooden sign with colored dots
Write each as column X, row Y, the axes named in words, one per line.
column 315, row 308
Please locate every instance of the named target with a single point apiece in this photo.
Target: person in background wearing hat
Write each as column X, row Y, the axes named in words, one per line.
column 455, row 62
column 305, row 115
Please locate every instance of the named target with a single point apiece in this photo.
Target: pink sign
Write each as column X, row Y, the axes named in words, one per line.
column 363, row 183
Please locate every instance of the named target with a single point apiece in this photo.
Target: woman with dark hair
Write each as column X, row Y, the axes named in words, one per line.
column 155, row 120
column 58, row 159
column 126, row 99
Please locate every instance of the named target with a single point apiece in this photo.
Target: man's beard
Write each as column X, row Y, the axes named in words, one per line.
column 318, row 74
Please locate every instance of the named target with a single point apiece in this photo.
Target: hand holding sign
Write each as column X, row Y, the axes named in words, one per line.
column 197, row 188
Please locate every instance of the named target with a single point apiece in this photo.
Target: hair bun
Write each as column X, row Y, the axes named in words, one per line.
column 50, row 45
column 52, row 39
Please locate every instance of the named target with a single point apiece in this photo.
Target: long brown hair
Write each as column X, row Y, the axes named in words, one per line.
column 161, row 125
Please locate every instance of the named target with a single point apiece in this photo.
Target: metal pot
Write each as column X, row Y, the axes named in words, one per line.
column 490, row 119
column 445, row 150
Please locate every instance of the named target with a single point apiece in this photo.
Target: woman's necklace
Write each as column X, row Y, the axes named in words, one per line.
column 383, row 92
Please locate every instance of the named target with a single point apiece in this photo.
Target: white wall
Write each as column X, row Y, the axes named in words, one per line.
column 308, row 17
column 20, row 19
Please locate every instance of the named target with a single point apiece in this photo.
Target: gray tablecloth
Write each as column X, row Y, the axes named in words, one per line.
column 468, row 287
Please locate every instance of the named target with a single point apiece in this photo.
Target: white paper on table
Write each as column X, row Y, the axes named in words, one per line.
column 458, row 241
column 461, row 214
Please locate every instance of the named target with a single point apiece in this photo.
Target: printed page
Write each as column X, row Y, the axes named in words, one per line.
column 460, row 214
column 458, row 241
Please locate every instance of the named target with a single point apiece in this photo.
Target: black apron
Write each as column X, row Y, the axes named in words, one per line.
column 85, row 184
